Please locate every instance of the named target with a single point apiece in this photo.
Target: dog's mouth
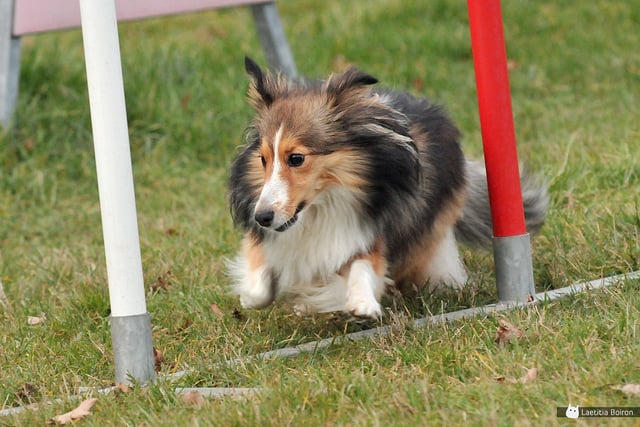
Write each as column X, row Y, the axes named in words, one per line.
column 291, row 220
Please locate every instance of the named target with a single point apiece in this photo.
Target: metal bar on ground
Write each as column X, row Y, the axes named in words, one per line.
column 130, row 322
column 511, row 242
column 381, row 331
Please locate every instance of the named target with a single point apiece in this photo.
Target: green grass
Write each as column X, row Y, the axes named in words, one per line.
column 575, row 84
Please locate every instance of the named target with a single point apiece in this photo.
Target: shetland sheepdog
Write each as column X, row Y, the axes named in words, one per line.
column 346, row 193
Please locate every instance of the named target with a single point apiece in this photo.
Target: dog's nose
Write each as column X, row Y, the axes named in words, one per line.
column 264, row 218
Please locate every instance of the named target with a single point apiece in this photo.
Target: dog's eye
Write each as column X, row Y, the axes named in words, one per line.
column 264, row 161
column 295, row 160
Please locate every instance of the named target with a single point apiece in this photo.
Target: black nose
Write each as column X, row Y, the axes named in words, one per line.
column 264, row 218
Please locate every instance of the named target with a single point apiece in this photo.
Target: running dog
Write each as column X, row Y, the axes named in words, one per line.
column 346, row 192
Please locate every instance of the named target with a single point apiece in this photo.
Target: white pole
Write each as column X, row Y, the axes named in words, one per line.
column 130, row 322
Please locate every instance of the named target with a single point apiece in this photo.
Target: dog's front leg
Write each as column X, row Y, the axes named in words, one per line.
column 365, row 285
column 254, row 281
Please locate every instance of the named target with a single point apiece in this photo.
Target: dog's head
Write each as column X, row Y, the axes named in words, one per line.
column 306, row 137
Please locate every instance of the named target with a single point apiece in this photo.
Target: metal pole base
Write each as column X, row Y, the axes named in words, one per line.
column 132, row 348
column 514, row 270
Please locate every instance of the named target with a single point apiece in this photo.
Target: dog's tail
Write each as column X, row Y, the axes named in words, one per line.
column 475, row 228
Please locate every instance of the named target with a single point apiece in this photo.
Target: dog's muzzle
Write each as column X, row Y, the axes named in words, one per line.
column 265, row 218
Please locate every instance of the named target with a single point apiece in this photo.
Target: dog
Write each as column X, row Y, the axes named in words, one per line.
column 346, row 193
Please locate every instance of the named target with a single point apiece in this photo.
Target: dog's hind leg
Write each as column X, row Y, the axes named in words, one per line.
column 323, row 297
column 445, row 266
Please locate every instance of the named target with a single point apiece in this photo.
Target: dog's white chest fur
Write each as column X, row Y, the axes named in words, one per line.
column 328, row 234
column 305, row 261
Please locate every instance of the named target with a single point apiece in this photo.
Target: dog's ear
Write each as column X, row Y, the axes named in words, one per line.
column 350, row 81
column 259, row 92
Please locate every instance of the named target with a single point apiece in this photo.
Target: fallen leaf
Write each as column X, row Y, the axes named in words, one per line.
column 34, row 320
column 83, row 409
column 184, row 102
column 185, row 325
column 512, row 65
column 28, row 393
column 122, row 388
column 158, row 358
column 418, row 84
column 216, row 309
column 530, row 298
column 506, row 332
column 29, row 144
column 530, row 376
column 633, row 389
column 237, row 314
column 193, row 398
column 162, row 282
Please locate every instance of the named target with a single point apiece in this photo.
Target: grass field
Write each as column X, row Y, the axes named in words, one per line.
column 575, row 82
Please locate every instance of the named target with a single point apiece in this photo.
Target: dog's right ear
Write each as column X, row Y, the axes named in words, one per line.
column 259, row 93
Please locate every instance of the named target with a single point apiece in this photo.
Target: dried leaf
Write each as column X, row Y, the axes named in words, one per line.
column 83, row 409
column 184, row 102
column 122, row 388
column 216, row 309
column 530, row 298
column 162, row 282
column 506, row 332
column 237, row 314
column 29, row 144
column 184, row 326
column 530, row 376
column 35, row 320
column 512, row 65
column 193, row 398
column 158, row 358
column 418, row 84
column 633, row 389
column 28, row 393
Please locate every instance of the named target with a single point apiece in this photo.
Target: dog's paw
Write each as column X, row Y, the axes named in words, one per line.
column 370, row 309
column 302, row 310
column 256, row 296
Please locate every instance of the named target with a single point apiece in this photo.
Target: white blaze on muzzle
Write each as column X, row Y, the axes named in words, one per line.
column 275, row 193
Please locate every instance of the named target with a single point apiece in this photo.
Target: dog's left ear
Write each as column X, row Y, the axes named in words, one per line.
column 339, row 85
column 258, row 91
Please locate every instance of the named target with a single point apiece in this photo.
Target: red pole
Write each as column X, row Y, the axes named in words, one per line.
column 496, row 117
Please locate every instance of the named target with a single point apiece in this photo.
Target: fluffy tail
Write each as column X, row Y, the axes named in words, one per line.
column 474, row 228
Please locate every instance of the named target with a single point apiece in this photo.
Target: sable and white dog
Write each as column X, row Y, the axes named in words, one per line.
column 344, row 191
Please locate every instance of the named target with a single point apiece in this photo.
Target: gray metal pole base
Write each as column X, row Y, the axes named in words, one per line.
column 133, row 348
column 514, row 270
